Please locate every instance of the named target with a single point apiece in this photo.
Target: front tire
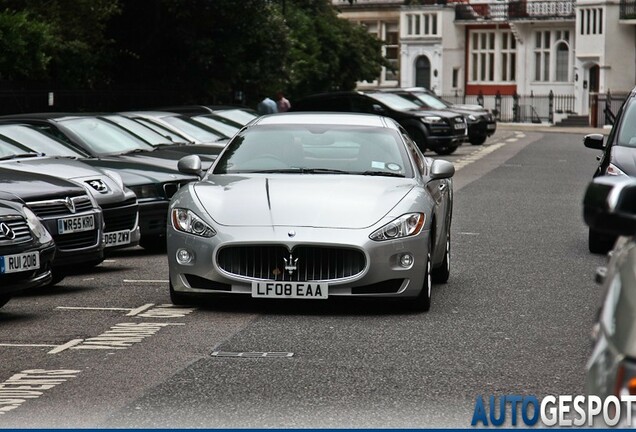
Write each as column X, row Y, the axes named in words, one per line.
column 478, row 140
column 599, row 243
column 442, row 273
column 422, row 303
column 445, row 150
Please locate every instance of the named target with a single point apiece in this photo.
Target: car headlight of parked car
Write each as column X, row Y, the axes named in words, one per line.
column 145, row 191
column 434, row 120
column 187, row 221
column 472, row 117
column 36, row 227
column 615, row 171
column 406, row 225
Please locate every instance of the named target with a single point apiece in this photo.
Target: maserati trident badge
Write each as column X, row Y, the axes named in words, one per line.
column 290, row 265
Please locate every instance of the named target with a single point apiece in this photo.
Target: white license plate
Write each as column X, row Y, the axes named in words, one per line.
column 76, row 224
column 116, row 238
column 458, row 126
column 20, row 262
column 305, row 290
column 491, row 126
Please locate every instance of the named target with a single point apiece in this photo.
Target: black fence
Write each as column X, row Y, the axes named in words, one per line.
column 520, row 10
column 627, row 9
column 520, row 108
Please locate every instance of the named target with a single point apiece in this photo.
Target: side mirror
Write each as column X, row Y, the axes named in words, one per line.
column 190, row 164
column 441, row 169
column 609, row 205
column 594, row 141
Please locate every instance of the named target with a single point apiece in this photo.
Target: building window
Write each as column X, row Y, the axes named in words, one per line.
column 542, row 56
column 591, row 21
column 387, row 32
column 421, row 24
column 492, row 57
column 455, row 77
column 562, row 61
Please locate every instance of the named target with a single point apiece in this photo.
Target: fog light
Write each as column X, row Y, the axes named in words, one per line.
column 406, row 260
column 184, row 256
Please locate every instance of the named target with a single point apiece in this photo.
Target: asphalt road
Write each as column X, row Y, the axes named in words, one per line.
column 100, row 350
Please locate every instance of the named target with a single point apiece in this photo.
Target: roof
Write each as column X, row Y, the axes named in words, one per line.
column 349, row 119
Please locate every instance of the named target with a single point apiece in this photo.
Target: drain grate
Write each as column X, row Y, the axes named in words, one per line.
column 252, row 354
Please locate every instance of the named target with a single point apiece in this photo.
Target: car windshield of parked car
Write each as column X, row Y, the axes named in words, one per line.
column 194, row 129
column 160, row 129
column 237, row 115
column 431, row 101
column 140, row 131
column 396, row 102
column 218, row 123
column 627, row 128
column 38, row 141
column 105, row 138
column 316, row 149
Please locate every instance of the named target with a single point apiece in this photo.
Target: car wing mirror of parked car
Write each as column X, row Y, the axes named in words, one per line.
column 594, row 141
column 609, row 205
column 441, row 169
column 190, row 164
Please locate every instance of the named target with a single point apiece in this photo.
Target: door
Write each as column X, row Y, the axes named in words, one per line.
column 423, row 72
column 594, row 86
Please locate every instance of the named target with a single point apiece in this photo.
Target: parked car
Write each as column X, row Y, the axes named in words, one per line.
column 69, row 213
column 26, row 249
column 440, row 131
column 609, row 206
column 118, row 203
column 339, row 205
column 153, row 185
column 217, row 122
column 618, row 158
column 237, row 114
column 481, row 123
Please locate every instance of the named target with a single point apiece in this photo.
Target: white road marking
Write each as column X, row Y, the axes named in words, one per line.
column 140, row 309
column 512, row 139
column 29, row 384
column 468, row 159
column 146, row 280
column 468, row 233
column 149, row 310
column 93, row 308
column 109, row 261
column 122, row 336
column 66, row 346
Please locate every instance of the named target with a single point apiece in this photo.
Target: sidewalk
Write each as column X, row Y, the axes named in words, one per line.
column 532, row 127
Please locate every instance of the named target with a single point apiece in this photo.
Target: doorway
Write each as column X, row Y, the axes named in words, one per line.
column 423, row 72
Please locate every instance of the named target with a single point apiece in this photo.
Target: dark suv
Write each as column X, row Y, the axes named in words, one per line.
column 439, row 131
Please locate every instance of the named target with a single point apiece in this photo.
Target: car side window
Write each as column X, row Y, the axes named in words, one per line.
column 418, row 157
column 362, row 105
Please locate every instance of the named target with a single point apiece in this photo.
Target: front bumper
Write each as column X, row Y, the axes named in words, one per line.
column 14, row 282
column 382, row 275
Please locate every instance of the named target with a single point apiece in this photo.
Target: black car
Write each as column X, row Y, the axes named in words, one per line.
column 481, row 122
column 440, row 131
column 26, row 249
column 69, row 213
column 153, row 185
column 618, row 159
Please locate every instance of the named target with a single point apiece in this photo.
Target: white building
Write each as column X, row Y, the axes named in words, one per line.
column 575, row 49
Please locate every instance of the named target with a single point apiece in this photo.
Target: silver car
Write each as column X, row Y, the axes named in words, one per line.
column 310, row 206
column 609, row 208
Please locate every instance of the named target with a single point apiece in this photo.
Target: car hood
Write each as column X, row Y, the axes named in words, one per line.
column 625, row 158
column 322, row 201
column 470, row 108
column 36, row 187
column 8, row 207
column 136, row 173
column 439, row 113
column 102, row 187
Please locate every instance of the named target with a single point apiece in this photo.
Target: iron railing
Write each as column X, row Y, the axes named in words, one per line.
column 627, row 9
column 521, row 10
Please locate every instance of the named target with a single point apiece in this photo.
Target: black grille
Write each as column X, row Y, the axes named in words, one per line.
column 121, row 216
column 202, row 283
column 76, row 240
column 385, row 287
column 58, row 207
column 18, row 227
column 172, row 188
column 314, row 263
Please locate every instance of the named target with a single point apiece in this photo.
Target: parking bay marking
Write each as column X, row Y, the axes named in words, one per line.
column 149, row 310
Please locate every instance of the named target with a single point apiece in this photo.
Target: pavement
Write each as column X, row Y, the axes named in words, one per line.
column 544, row 127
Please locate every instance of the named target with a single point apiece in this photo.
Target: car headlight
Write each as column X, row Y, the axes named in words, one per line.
column 433, row 120
column 145, row 191
column 406, row 225
column 187, row 221
column 613, row 170
column 472, row 117
column 36, row 227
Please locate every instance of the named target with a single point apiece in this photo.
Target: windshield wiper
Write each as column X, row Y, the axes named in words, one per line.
column 21, row 155
column 382, row 173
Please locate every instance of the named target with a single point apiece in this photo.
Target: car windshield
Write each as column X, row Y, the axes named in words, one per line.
column 105, row 138
column 237, row 115
column 194, row 129
column 627, row 128
column 143, row 132
column 218, row 123
column 174, row 137
column 431, row 101
column 395, row 101
column 38, row 141
column 316, row 149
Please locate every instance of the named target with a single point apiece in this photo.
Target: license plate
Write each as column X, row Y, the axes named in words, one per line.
column 458, row 126
column 305, row 290
column 20, row 262
column 76, row 224
column 116, row 238
column 491, row 126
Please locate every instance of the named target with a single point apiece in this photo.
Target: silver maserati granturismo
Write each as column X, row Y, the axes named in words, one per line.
column 310, row 206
